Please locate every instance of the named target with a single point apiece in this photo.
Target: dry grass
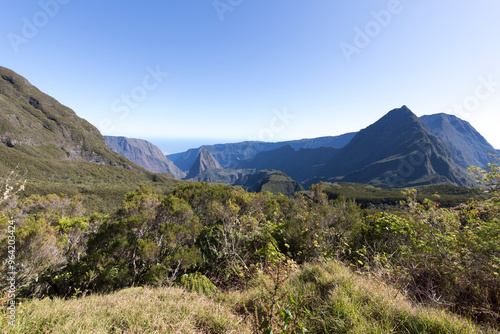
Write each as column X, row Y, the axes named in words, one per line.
column 134, row 310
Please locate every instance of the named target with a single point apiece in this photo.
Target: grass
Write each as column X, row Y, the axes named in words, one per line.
column 337, row 299
column 340, row 301
column 133, row 310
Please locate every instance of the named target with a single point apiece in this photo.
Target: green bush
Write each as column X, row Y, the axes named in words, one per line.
column 196, row 282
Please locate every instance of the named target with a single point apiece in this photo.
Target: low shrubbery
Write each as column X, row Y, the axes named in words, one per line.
column 203, row 236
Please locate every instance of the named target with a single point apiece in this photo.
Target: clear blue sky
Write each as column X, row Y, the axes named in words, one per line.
column 257, row 69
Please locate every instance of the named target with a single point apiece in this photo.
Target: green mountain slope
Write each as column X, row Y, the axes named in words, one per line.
column 58, row 151
column 38, row 125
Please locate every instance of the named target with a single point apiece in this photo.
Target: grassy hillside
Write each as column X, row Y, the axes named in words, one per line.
column 34, row 123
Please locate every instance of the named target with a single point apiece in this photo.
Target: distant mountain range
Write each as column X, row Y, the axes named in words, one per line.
column 398, row 150
column 228, row 154
column 50, row 142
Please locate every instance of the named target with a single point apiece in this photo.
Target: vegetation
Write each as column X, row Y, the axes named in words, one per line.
column 389, row 199
column 269, row 263
column 324, row 297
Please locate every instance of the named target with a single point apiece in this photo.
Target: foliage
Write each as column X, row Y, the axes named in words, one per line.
column 271, row 308
column 388, row 199
column 489, row 178
column 202, row 236
column 197, row 282
column 10, row 185
column 50, row 233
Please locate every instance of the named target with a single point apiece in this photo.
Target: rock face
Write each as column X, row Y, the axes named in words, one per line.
column 467, row 146
column 144, row 154
column 36, row 124
column 203, row 162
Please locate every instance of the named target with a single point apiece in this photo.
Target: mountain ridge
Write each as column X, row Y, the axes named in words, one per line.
column 375, row 155
column 144, row 154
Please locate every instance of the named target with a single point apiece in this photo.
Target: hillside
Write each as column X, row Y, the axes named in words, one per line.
column 144, row 154
column 39, row 126
column 209, row 258
column 59, row 152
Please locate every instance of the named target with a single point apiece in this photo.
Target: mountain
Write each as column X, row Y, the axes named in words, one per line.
column 272, row 181
column 59, row 152
column 144, row 154
column 467, row 146
column 203, row 162
column 395, row 151
column 229, row 154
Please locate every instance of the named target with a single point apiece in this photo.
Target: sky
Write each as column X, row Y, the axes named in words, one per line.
column 182, row 73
